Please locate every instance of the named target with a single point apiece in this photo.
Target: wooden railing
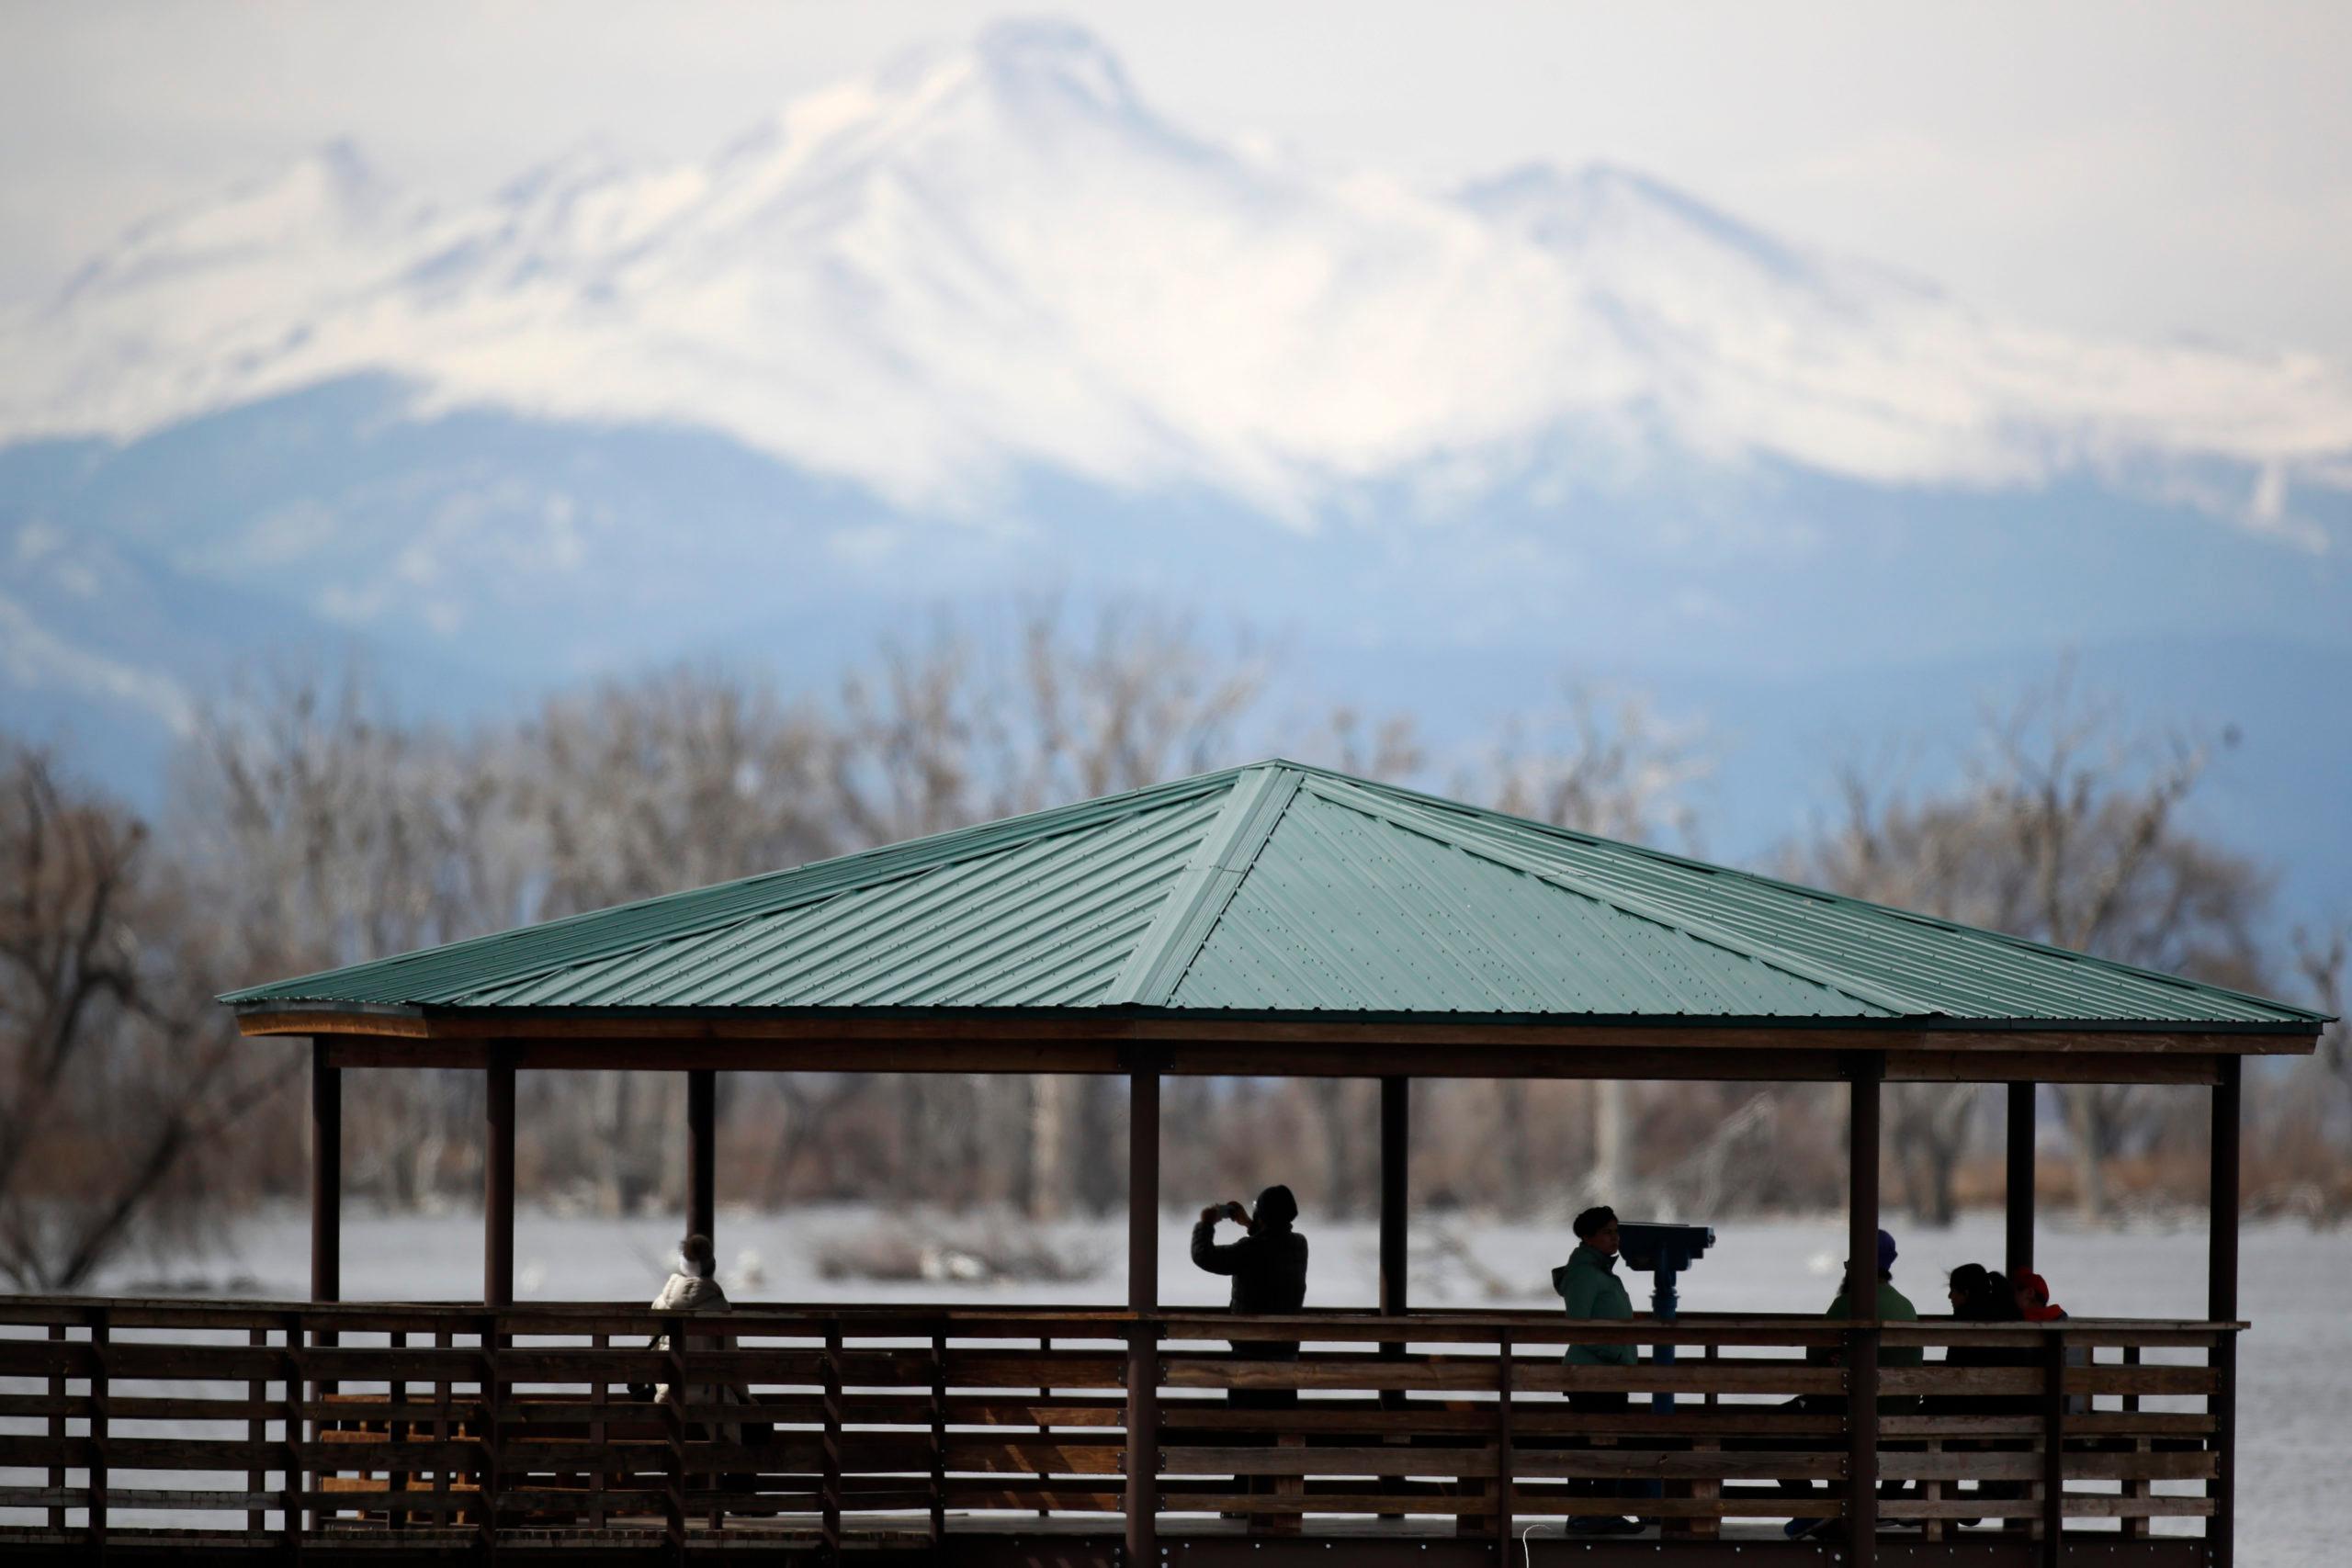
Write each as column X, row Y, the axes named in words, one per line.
column 254, row 1425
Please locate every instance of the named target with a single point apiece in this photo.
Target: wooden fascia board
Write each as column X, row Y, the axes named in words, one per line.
column 887, row 1029
column 1209, row 1059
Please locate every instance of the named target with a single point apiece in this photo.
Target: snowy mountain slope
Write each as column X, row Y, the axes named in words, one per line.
column 994, row 259
column 984, row 324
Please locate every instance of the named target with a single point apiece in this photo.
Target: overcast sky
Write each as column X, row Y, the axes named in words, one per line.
column 2153, row 170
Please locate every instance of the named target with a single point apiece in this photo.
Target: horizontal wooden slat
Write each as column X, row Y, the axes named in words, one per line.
column 1554, row 1505
column 2142, row 1380
column 1065, row 1499
column 140, row 1499
column 2078, row 1506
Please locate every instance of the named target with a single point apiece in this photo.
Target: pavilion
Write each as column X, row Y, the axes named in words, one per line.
column 1270, row 919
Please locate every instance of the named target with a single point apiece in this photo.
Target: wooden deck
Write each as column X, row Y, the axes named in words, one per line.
column 384, row 1433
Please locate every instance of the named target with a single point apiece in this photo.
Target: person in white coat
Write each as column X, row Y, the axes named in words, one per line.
column 695, row 1287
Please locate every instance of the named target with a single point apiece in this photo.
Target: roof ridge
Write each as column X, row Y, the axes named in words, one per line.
column 1700, row 930
column 1782, row 884
column 828, row 878
column 1225, row 852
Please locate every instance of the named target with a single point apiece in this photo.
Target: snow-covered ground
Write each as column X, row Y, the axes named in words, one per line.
column 2295, row 1367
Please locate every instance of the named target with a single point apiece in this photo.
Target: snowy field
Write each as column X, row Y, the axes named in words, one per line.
column 2295, row 1367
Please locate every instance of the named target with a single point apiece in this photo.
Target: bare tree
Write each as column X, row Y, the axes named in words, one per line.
column 2322, row 959
column 974, row 724
column 1600, row 764
column 677, row 779
column 2066, row 829
column 117, row 1075
column 321, row 830
column 1607, row 766
column 325, row 829
column 2324, row 1088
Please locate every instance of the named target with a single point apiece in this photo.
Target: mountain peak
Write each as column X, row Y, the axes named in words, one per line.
column 1033, row 55
column 1566, row 209
column 591, row 162
column 996, row 258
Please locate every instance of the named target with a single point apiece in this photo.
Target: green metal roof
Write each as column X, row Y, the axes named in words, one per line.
column 1280, row 888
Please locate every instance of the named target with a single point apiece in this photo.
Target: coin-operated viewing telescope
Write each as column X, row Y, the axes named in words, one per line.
column 1665, row 1251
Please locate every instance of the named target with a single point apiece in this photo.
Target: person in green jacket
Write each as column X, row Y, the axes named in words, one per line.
column 1588, row 1285
column 1893, row 1306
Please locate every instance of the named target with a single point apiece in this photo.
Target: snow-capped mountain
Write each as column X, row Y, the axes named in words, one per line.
column 985, row 322
column 999, row 259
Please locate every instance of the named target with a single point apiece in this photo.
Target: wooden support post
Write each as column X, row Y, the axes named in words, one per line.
column 829, row 1495
column 57, row 1424
column 291, row 1499
column 397, row 1430
column 673, row 1430
column 2053, row 1450
column 1142, row 1336
column 939, row 1444
column 702, row 1151
column 2019, row 1189
column 1396, row 1138
column 443, row 1432
column 2221, row 1306
column 1931, row 1490
column 1395, row 1190
column 326, row 1175
column 1045, row 1342
column 1503, row 1453
column 327, row 1201
column 101, row 1403
column 257, row 1437
column 498, row 1184
column 599, row 1431
column 493, row 1426
column 2136, row 1527
column 497, row 1275
column 1710, row 1490
column 1861, row 1351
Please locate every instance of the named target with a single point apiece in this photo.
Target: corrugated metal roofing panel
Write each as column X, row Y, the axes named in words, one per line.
column 1039, row 924
column 1923, row 966
column 1281, row 889
column 447, row 974
column 1342, row 912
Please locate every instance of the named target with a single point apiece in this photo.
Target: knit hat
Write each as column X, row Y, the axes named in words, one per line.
column 2047, row 1310
column 1885, row 1252
column 1276, row 1206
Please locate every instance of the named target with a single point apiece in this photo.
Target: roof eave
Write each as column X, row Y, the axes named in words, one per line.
column 281, row 1016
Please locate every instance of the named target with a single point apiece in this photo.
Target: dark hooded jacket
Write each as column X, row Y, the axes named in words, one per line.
column 1268, row 1266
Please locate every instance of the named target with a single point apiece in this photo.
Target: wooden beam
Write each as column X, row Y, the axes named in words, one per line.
column 2018, row 1193
column 1396, row 1148
column 498, row 1184
column 2221, row 1306
column 2081, row 1066
column 1862, row 1301
column 326, row 1175
column 1142, row 1499
column 1395, row 1139
column 1105, row 1025
column 702, row 1151
column 1659, row 1060
column 2054, row 1452
column 326, row 1212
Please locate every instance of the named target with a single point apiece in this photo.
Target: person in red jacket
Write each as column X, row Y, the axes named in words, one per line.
column 2033, row 1297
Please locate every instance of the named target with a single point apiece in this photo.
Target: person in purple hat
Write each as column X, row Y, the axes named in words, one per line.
column 1893, row 1306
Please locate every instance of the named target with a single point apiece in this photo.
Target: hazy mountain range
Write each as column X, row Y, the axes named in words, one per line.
column 985, row 320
